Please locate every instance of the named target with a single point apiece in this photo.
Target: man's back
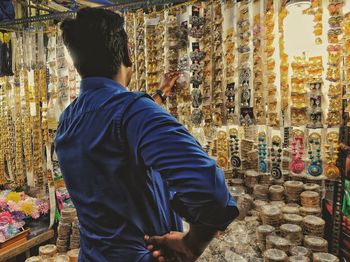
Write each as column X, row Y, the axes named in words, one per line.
column 117, row 201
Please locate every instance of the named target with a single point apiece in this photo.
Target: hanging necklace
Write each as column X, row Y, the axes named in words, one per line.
column 331, row 170
column 222, row 152
column 9, row 133
column 19, row 176
column 2, row 142
column 234, row 148
column 262, row 150
column 276, row 158
column 27, row 134
column 315, row 166
column 297, row 165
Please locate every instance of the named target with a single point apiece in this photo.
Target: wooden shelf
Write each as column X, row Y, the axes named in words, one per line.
column 25, row 246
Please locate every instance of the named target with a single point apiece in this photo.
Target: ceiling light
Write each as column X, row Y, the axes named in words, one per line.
column 298, row 3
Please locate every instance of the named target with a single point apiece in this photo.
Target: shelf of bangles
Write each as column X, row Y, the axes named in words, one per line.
column 335, row 54
column 140, row 51
column 131, row 32
column 229, row 65
column 154, row 35
column 259, row 93
column 197, row 56
column 179, row 40
column 273, row 116
column 171, row 56
column 218, row 67
column 298, row 92
column 244, row 39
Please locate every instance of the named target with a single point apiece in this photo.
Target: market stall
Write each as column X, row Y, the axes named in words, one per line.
column 264, row 88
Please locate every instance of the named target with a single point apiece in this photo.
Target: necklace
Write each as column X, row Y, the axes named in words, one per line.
column 222, row 149
column 262, row 151
column 315, row 166
column 230, row 101
column 19, row 175
column 37, row 136
column 27, row 130
column 276, row 158
column 2, row 141
column 331, row 170
column 297, row 165
column 234, row 148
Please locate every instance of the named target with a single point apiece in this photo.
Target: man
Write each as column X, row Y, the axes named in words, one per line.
column 129, row 165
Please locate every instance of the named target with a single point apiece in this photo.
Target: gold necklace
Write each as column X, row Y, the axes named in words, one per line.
column 19, row 175
column 27, row 130
column 2, row 138
column 9, row 133
column 37, row 136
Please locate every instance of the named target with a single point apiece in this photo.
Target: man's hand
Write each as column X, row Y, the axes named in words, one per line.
column 169, row 82
column 176, row 242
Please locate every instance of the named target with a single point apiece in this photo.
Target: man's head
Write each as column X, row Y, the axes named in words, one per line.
column 98, row 43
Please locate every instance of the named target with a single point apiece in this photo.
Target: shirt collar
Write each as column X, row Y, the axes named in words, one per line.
column 90, row 83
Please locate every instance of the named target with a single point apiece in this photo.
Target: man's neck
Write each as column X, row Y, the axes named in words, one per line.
column 121, row 77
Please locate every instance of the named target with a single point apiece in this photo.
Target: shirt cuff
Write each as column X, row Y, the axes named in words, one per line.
column 211, row 215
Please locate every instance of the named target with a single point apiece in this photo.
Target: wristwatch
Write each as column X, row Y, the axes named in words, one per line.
column 161, row 95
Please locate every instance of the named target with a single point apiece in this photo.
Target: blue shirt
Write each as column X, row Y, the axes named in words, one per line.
column 132, row 169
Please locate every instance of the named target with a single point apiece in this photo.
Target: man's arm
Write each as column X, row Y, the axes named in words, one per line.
column 166, row 87
column 158, row 141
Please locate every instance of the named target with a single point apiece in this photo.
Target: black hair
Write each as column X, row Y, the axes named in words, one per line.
column 97, row 42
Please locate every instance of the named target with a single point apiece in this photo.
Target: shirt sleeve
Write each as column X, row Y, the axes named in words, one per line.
column 158, row 141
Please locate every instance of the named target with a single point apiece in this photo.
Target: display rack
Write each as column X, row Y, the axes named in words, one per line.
column 337, row 221
column 335, row 244
column 338, row 193
column 120, row 6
